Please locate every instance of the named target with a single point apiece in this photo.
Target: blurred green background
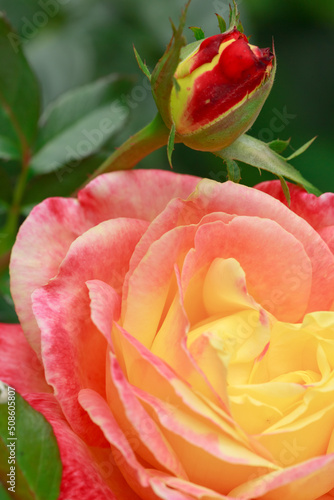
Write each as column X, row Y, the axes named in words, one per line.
column 82, row 40
column 70, row 43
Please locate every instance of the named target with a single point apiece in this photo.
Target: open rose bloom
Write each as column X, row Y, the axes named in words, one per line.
column 178, row 334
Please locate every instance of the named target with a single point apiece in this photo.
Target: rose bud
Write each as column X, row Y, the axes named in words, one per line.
column 220, row 88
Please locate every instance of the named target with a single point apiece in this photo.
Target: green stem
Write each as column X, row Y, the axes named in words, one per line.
column 9, row 230
column 152, row 137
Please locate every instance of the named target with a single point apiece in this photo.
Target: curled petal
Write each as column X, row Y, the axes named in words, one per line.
column 73, row 350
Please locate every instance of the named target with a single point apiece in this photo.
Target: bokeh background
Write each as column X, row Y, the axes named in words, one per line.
column 70, row 43
column 83, row 40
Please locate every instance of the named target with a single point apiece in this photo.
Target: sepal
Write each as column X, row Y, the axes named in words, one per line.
column 163, row 73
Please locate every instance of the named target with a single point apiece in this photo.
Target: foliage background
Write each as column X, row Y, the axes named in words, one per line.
column 83, row 40
column 91, row 38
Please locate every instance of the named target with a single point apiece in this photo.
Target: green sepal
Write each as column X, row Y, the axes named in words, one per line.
column 258, row 154
column 221, row 23
column 170, row 145
column 235, row 18
column 278, row 145
column 301, row 149
column 176, row 85
column 233, row 171
column 189, row 48
column 198, row 32
column 285, row 189
column 141, row 64
column 163, row 73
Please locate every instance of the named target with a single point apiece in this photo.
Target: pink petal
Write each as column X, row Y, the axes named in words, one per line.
column 139, row 194
column 73, row 350
column 41, row 244
column 267, row 253
column 137, row 476
column 307, row 481
column 149, row 284
column 241, row 200
column 317, row 211
column 146, row 438
column 20, row 368
column 105, row 304
column 230, row 198
column 195, row 490
column 81, row 478
column 150, row 281
column 52, row 226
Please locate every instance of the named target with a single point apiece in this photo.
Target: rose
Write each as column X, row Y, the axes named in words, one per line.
column 221, row 86
column 186, row 336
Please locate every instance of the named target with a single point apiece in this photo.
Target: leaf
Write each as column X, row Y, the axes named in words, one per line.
column 142, row 65
column 5, row 186
column 19, row 95
column 4, row 494
column 233, row 170
column 163, row 73
column 63, row 181
column 8, row 149
column 285, row 189
column 7, row 311
column 278, row 146
column 170, row 145
column 221, row 23
column 7, row 308
column 38, row 467
column 198, row 32
column 80, row 122
column 258, row 154
column 301, row 149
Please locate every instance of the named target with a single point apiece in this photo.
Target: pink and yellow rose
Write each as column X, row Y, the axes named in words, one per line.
column 178, row 334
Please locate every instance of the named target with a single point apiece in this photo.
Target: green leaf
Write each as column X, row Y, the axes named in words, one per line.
column 233, row 170
column 141, row 64
column 221, row 23
column 38, row 467
column 198, row 32
column 80, row 122
column 63, row 181
column 278, row 146
column 163, row 73
column 258, row 154
column 7, row 311
column 170, row 145
column 19, row 96
column 285, row 189
column 4, row 493
column 302, row 149
column 5, row 186
column 7, row 308
column 8, row 149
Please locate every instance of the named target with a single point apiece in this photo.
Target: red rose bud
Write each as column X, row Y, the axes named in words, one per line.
column 220, row 89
